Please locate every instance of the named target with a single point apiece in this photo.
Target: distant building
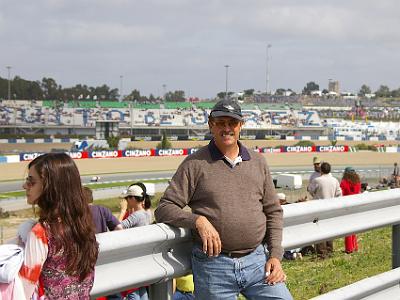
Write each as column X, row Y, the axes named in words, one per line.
column 369, row 96
column 316, row 93
column 333, row 86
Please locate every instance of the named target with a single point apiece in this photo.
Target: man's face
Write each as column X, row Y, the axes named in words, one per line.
column 317, row 167
column 225, row 130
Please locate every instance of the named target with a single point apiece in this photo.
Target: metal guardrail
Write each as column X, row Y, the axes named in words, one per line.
column 153, row 255
column 142, row 256
column 382, row 286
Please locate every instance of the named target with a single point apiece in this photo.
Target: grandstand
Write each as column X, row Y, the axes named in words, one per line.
column 184, row 120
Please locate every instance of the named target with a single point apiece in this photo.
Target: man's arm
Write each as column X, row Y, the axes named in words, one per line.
column 273, row 236
column 170, row 211
column 274, row 215
column 312, row 187
column 176, row 197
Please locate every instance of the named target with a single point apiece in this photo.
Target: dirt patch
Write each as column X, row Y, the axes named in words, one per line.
column 17, row 171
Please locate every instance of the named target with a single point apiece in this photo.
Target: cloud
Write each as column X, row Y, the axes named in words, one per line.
column 186, row 43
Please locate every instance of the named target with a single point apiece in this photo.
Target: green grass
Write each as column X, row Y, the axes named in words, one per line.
column 311, row 277
column 93, row 186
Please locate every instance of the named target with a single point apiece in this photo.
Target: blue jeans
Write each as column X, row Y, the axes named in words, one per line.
column 140, row 294
column 178, row 295
column 223, row 277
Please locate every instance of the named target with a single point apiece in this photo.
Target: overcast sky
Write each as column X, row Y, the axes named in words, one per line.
column 185, row 44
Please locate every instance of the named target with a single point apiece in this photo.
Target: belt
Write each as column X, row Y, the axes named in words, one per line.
column 234, row 254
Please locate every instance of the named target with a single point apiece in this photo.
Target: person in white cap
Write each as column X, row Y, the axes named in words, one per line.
column 134, row 198
column 315, row 174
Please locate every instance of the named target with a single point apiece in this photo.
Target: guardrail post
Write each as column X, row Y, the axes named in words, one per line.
column 161, row 290
column 396, row 246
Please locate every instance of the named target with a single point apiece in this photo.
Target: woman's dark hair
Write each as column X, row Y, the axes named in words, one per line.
column 146, row 197
column 64, row 208
column 352, row 177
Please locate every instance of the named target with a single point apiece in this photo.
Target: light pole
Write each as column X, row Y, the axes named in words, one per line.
column 164, row 92
column 226, row 81
column 121, row 78
column 9, row 83
column 267, row 71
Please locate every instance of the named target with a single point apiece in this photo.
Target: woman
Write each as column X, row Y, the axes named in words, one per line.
column 134, row 200
column 350, row 185
column 61, row 249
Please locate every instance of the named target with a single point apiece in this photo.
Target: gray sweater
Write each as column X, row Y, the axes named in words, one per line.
column 240, row 202
column 136, row 219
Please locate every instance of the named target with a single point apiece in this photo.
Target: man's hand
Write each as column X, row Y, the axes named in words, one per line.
column 274, row 270
column 209, row 236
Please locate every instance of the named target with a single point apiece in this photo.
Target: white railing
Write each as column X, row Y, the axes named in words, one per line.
column 153, row 255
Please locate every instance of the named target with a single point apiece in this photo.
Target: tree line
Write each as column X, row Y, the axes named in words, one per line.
column 49, row 89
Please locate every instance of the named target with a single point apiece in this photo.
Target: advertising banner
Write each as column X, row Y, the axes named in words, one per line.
column 138, row 152
column 78, row 155
column 29, row 156
column 171, row 152
column 341, row 148
column 105, row 154
column 298, row 149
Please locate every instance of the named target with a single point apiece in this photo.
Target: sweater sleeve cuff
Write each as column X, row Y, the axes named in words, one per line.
column 277, row 253
column 193, row 220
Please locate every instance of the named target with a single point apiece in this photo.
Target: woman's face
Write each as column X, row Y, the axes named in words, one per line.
column 33, row 186
column 133, row 203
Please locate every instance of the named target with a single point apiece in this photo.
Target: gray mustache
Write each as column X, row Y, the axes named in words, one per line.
column 228, row 133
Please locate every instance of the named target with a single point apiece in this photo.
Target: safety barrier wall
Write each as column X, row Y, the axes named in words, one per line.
column 153, row 255
column 28, row 156
column 140, row 138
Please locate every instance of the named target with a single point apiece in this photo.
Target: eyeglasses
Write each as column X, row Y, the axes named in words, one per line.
column 29, row 182
column 230, row 123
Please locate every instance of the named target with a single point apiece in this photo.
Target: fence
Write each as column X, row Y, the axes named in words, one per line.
column 153, row 255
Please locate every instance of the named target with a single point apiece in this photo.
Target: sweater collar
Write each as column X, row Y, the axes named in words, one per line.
column 217, row 155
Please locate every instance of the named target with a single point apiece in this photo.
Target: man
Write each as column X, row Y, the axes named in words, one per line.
column 396, row 174
column 234, row 211
column 325, row 187
column 316, row 173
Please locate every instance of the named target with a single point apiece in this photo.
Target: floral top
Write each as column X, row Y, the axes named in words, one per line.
column 43, row 272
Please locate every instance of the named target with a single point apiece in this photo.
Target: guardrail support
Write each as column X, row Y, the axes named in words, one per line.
column 161, row 290
column 396, row 246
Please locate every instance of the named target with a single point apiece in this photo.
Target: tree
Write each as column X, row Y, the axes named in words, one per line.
column 134, row 95
column 310, row 86
column 248, row 92
column 176, row 96
column 383, row 91
column 280, row 92
column 221, row 95
column 165, row 143
column 395, row 93
column 51, row 90
column 113, row 142
column 365, row 89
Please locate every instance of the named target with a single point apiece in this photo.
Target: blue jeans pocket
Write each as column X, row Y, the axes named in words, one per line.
column 198, row 254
